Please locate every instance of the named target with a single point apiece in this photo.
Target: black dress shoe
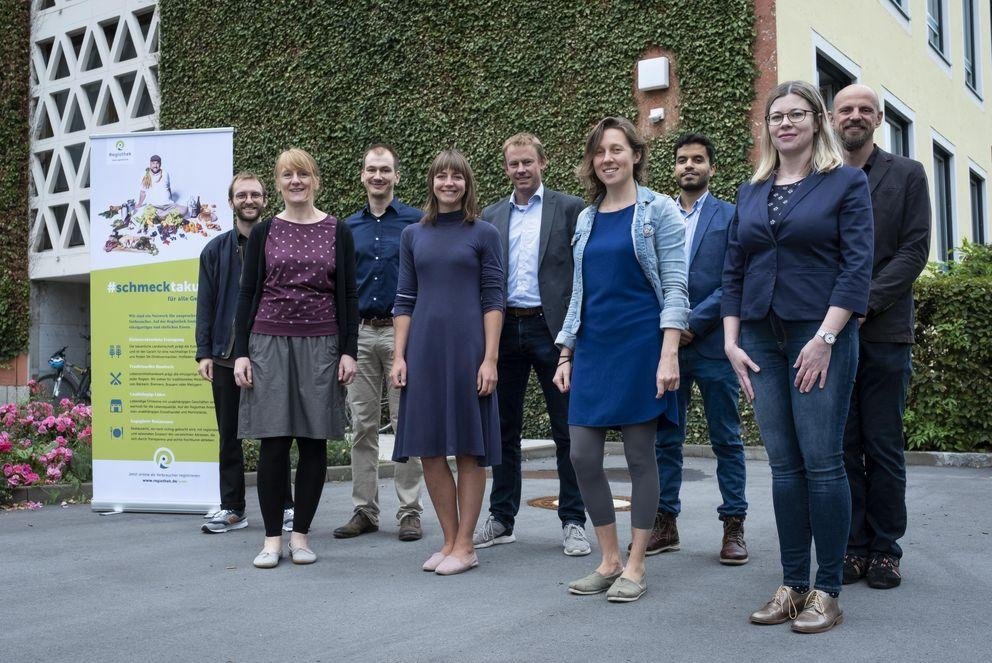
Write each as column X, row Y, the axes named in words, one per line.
column 359, row 524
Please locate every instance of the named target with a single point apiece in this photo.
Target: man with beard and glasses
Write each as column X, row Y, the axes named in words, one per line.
column 873, row 438
column 702, row 360
column 216, row 303
column 377, row 228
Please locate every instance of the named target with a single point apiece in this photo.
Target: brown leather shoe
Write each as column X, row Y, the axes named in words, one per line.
column 664, row 534
column 784, row 605
column 410, row 528
column 821, row 612
column 359, row 524
column 734, row 550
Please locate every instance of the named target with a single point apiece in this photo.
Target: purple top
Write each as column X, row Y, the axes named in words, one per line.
column 298, row 293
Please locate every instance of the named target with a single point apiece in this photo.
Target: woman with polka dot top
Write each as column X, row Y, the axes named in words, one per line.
column 296, row 339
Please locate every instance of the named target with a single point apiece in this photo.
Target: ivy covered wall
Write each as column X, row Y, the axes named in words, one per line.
column 333, row 77
column 15, row 26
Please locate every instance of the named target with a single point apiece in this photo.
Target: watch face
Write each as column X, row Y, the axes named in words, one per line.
column 829, row 338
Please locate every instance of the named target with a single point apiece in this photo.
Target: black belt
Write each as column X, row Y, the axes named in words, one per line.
column 524, row 312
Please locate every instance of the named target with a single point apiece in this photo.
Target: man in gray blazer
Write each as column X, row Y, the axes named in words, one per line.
column 536, row 225
column 873, row 439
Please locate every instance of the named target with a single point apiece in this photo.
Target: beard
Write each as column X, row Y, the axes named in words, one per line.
column 244, row 219
column 857, row 141
column 701, row 183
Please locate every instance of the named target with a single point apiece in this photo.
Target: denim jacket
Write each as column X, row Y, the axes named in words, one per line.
column 658, row 234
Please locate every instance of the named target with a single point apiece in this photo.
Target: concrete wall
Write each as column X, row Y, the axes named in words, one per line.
column 894, row 57
column 60, row 311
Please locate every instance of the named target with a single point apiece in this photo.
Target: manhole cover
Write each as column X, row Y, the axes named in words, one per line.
column 620, row 502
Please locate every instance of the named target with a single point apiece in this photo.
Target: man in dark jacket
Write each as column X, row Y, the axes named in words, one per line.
column 873, row 439
column 702, row 360
column 216, row 302
column 536, row 225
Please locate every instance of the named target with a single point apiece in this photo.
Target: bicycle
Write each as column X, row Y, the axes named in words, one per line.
column 66, row 381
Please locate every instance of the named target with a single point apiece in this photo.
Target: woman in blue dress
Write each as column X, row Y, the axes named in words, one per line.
column 619, row 343
column 448, row 315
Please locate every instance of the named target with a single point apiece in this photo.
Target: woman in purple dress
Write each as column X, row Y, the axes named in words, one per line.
column 447, row 320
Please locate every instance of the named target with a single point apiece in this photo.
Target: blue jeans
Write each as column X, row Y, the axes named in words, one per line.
column 804, row 439
column 524, row 344
column 873, row 448
column 720, row 391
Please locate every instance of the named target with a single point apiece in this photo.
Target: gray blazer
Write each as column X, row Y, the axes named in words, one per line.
column 554, row 271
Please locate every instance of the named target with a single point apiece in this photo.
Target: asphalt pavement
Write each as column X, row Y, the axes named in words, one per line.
column 78, row 586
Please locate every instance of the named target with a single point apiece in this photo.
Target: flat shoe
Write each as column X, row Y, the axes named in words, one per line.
column 433, row 561
column 267, row 560
column 451, row 565
column 625, row 590
column 302, row 555
column 594, row 583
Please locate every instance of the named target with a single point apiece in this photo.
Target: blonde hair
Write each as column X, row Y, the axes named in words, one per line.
column 524, row 139
column 826, row 150
column 451, row 159
column 586, row 172
column 299, row 160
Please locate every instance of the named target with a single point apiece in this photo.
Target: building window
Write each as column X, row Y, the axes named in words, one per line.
column 970, row 50
column 935, row 26
column 902, row 6
column 898, row 128
column 943, row 205
column 831, row 78
column 977, row 185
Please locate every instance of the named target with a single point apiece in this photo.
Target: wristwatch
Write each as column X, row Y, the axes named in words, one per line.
column 828, row 337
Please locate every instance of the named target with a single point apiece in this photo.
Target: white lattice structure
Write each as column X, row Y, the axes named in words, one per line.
column 94, row 69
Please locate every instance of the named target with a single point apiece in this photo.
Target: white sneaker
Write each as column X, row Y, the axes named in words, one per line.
column 210, row 514
column 574, row 541
column 492, row 533
column 287, row 519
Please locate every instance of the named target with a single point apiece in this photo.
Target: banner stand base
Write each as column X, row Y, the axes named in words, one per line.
column 113, row 508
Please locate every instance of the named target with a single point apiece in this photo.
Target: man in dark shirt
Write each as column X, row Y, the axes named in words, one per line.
column 376, row 228
column 873, row 439
column 216, row 302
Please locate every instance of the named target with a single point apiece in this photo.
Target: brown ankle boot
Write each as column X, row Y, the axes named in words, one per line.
column 664, row 534
column 734, row 550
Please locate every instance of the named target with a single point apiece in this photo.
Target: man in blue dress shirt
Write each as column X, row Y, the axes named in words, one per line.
column 702, row 360
column 536, row 225
column 376, row 228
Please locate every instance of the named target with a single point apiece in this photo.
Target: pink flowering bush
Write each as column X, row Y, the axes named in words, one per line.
column 43, row 444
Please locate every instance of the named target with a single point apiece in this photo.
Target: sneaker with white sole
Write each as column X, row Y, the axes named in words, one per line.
column 574, row 541
column 225, row 520
column 492, row 533
column 287, row 519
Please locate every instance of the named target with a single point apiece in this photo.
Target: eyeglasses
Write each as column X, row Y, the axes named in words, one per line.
column 796, row 116
column 254, row 195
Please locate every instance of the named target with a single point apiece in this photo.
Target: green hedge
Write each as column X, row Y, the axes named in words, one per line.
column 950, row 396
column 333, row 77
column 15, row 25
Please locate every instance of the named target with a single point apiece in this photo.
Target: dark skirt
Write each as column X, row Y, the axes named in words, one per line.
column 296, row 392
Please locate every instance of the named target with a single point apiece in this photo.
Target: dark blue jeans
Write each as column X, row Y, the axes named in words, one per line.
column 720, row 390
column 804, row 439
column 873, row 448
column 524, row 344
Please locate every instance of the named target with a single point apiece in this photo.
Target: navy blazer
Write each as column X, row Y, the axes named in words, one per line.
column 706, row 257
column 820, row 255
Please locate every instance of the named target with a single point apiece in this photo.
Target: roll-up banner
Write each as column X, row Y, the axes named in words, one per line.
column 156, row 199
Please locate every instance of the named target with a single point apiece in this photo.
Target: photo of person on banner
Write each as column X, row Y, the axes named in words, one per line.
column 156, row 190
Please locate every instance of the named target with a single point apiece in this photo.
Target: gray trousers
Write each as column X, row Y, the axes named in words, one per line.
column 375, row 359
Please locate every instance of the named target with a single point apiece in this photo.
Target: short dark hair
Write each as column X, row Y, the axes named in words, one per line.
column 381, row 147
column 696, row 139
column 155, row 157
